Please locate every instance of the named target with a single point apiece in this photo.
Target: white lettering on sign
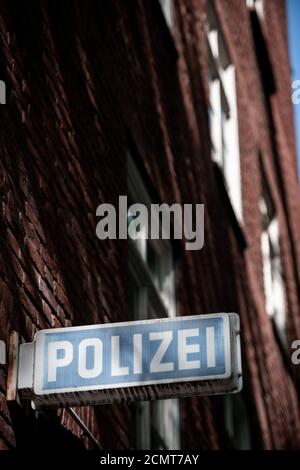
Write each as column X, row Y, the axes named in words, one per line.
column 210, row 341
column 96, row 369
column 137, row 354
column 54, row 361
column 116, row 368
column 156, row 365
column 185, row 349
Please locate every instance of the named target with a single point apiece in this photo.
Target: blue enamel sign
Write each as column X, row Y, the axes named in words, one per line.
column 117, row 355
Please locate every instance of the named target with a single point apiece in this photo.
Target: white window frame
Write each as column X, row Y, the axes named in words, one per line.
column 167, row 9
column 153, row 302
column 223, row 102
column 272, row 267
column 258, row 6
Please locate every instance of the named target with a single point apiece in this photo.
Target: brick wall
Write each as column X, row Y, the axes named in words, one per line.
column 88, row 80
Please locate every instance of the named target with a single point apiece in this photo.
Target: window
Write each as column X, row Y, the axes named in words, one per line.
column 166, row 6
column 223, row 118
column 258, row 6
column 151, row 295
column 272, row 268
column 237, row 422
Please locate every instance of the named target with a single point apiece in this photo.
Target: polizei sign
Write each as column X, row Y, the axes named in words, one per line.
column 130, row 361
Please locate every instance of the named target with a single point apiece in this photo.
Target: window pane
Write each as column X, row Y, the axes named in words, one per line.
column 133, row 299
column 153, row 263
column 141, row 432
column 165, row 421
column 237, row 422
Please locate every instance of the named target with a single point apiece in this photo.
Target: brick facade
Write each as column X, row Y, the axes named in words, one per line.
column 86, row 81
